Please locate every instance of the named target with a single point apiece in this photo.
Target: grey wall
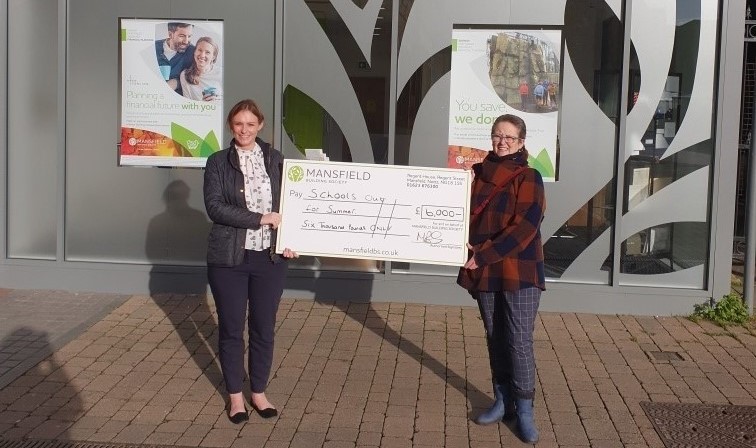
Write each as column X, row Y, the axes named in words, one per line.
column 33, row 129
column 121, row 235
column 113, row 212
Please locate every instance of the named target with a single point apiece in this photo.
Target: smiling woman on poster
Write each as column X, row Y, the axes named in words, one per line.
column 202, row 80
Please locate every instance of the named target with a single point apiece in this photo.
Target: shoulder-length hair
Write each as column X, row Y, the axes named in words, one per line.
column 241, row 106
column 193, row 73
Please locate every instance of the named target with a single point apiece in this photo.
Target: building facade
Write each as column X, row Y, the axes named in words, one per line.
column 639, row 219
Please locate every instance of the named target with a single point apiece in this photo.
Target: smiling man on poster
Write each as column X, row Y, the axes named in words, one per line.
column 175, row 52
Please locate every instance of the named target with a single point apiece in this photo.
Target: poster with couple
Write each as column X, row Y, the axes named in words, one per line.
column 171, row 91
column 505, row 71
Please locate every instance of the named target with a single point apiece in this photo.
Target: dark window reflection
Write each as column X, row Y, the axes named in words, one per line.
column 411, row 97
column 307, row 123
column 665, row 248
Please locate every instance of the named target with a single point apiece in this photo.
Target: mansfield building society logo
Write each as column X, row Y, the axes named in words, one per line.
column 296, row 173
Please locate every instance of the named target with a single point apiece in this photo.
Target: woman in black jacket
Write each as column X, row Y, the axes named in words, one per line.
column 242, row 189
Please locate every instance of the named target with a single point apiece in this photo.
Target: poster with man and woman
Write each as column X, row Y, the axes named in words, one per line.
column 171, row 91
column 505, row 71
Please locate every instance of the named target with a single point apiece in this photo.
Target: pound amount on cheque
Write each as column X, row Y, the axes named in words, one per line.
column 440, row 213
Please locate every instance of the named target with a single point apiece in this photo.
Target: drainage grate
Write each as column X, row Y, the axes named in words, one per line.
column 59, row 444
column 665, row 356
column 705, row 426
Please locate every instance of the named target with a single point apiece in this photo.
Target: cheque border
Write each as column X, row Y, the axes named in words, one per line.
column 281, row 236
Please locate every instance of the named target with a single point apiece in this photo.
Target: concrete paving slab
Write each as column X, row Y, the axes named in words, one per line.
column 34, row 323
column 354, row 374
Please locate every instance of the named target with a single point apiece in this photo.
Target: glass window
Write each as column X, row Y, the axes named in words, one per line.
column 580, row 250
column 580, row 204
column 670, row 146
column 427, row 88
column 32, row 129
column 336, row 90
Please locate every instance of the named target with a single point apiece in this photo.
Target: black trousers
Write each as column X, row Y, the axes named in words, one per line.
column 257, row 282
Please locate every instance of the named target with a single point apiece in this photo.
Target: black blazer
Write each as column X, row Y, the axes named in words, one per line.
column 227, row 207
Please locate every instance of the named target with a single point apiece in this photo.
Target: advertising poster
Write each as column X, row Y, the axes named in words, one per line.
column 505, row 71
column 171, row 92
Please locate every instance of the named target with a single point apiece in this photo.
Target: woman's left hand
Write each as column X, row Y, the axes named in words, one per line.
column 471, row 264
column 288, row 253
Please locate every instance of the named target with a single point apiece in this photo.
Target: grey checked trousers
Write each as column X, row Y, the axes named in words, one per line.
column 509, row 320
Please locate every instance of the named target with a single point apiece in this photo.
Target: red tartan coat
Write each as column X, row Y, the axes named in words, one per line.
column 506, row 235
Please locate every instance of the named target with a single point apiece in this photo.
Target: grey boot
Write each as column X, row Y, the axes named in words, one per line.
column 525, row 422
column 501, row 409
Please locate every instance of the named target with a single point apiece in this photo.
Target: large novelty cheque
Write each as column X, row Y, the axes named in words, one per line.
column 376, row 212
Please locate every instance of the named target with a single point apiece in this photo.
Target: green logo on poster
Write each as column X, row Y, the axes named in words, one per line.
column 295, row 174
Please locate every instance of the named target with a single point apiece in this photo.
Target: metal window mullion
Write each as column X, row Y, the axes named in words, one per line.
column 278, row 75
column 619, row 190
column 4, row 123
column 61, row 133
column 720, row 140
column 393, row 75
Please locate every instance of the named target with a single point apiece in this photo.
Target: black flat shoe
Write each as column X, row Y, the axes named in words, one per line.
column 239, row 417
column 265, row 413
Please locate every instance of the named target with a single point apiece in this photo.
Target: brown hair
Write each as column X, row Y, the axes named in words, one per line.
column 173, row 26
column 241, row 106
column 193, row 74
column 514, row 120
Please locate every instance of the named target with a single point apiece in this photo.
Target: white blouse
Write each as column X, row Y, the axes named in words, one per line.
column 257, row 193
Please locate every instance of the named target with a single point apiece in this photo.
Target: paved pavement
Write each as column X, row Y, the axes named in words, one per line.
column 356, row 374
column 35, row 323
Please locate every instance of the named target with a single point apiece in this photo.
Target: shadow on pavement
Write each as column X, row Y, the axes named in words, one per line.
column 172, row 236
column 372, row 320
column 42, row 403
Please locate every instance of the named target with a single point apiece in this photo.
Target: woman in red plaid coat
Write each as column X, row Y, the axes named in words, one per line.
column 505, row 270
